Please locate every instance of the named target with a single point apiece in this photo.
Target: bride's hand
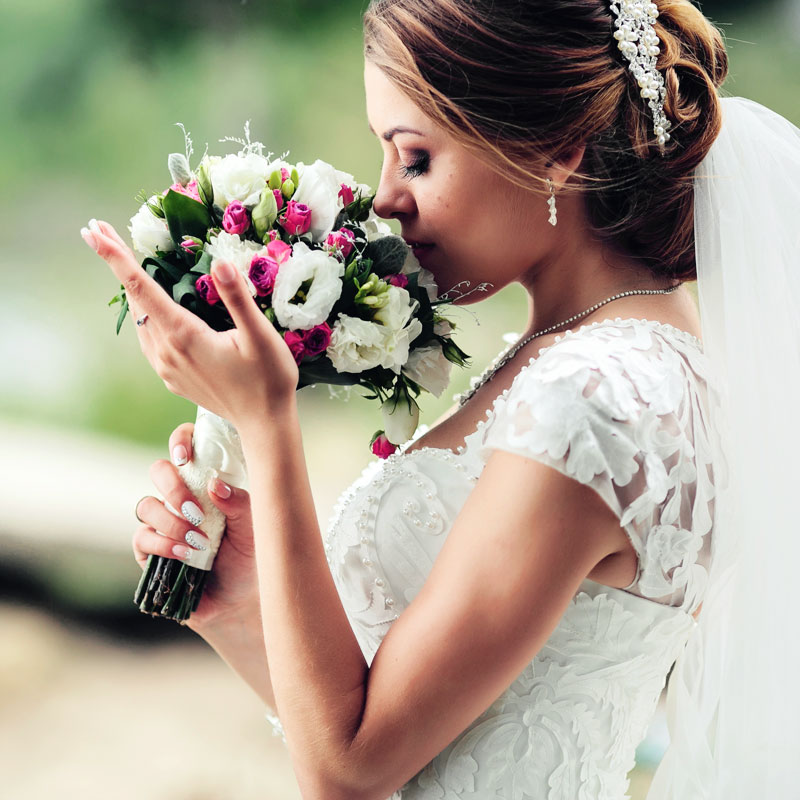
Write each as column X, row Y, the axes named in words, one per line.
column 232, row 587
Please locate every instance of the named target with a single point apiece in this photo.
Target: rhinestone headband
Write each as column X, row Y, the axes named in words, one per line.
column 638, row 41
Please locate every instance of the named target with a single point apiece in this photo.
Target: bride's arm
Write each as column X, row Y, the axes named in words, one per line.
column 502, row 581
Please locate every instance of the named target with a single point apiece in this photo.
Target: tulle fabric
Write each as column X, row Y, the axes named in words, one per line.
column 733, row 705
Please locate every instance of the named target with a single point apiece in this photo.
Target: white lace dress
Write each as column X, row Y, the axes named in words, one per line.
column 620, row 405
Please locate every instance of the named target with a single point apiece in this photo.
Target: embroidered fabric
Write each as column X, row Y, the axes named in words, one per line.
column 619, row 405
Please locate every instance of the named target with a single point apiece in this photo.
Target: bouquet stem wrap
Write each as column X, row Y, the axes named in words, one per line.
column 172, row 588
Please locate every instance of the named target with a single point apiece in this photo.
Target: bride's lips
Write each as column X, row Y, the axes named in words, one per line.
column 419, row 247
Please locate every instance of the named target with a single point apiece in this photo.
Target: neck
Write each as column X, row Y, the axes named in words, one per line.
column 579, row 272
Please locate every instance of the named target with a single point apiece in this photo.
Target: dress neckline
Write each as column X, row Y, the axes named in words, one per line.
column 447, row 453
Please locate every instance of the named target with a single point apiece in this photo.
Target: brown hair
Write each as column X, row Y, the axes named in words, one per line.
column 521, row 81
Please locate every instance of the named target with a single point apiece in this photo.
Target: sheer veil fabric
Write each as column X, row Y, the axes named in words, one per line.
column 733, row 701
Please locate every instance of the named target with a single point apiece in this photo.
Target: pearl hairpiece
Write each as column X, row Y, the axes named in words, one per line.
column 635, row 24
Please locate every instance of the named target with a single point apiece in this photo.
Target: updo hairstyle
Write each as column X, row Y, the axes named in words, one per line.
column 520, row 81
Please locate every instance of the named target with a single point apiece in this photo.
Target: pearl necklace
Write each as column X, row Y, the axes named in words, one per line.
column 509, row 354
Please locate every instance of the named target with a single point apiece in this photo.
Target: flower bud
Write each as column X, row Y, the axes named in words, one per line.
column 275, row 180
column 294, row 341
column 400, row 416
column 265, row 213
column 207, row 290
column 381, row 446
column 204, row 184
column 236, row 218
column 288, row 188
column 179, row 168
column 297, row 219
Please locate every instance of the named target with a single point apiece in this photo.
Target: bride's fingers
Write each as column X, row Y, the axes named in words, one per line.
column 108, row 230
column 147, row 541
column 151, row 512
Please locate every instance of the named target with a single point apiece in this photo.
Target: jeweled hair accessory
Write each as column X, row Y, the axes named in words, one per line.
column 639, row 43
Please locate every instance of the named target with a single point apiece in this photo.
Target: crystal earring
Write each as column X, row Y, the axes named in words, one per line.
column 551, row 202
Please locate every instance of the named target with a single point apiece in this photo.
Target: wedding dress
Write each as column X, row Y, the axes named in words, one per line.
column 622, row 406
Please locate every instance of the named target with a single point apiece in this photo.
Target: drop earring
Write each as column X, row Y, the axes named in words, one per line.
column 551, row 203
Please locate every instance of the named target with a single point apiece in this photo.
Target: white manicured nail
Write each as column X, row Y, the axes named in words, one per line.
column 193, row 512
column 182, row 551
column 197, row 540
column 179, row 455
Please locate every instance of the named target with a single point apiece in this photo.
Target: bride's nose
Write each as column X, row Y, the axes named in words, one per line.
column 393, row 198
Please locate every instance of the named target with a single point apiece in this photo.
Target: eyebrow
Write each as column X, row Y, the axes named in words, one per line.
column 398, row 129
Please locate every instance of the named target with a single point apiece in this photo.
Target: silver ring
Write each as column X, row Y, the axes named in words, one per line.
column 141, row 321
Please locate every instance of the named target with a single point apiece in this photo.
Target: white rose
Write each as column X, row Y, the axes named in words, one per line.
column 305, row 264
column 319, row 190
column 239, row 252
column 241, row 178
column 425, row 278
column 149, row 232
column 398, row 309
column 399, row 422
column 356, row 344
column 397, row 343
column 428, row 367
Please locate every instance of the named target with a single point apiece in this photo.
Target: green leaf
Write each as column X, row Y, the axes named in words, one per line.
column 174, row 271
column 203, row 266
column 185, row 216
column 184, row 290
column 122, row 314
column 389, row 254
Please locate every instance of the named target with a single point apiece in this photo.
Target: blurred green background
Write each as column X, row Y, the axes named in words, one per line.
column 91, row 91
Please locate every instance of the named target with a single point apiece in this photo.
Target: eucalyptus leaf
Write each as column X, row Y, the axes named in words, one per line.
column 389, row 254
column 122, row 314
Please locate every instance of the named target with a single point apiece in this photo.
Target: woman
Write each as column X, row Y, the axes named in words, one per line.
column 495, row 608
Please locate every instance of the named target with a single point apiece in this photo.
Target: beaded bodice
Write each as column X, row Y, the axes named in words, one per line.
column 620, row 406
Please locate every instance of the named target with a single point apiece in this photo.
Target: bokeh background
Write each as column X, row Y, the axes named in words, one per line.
column 96, row 699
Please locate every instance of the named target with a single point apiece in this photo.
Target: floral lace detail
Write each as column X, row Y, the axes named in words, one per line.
column 622, row 410
column 619, row 405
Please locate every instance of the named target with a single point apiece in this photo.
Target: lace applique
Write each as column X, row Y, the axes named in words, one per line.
column 623, row 411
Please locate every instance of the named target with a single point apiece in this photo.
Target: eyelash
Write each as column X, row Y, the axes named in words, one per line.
column 418, row 167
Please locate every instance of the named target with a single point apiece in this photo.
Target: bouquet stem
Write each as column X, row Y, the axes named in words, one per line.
column 171, row 588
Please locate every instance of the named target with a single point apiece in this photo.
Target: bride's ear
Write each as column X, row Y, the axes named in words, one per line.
column 565, row 164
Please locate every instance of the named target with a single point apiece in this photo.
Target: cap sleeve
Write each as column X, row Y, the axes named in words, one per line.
column 610, row 411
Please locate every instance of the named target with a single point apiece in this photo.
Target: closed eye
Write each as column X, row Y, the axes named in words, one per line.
column 419, row 166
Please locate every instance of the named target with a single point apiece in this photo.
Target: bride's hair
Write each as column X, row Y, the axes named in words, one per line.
column 521, row 81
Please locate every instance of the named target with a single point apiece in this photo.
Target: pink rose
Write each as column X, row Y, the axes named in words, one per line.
column 295, row 342
column 262, row 272
column 190, row 190
column 279, row 250
column 285, row 174
column 206, row 289
column 341, row 240
column 278, row 198
column 317, row 339
column 382, row 447
column 272, row 235
column 346, row 193
column 297, row 219
column 236, row 219
column 397, row 279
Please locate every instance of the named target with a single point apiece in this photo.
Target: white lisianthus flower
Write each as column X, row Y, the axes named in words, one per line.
column 375, row 228
column 356, row 344
column 305, row 264
column 425, row 278
column 238, row 177
column 319, row 190
column 397, row 343
column 399, row 422
column 428, row 367
column 239, row 252
column 398, row 309
column 149, row 232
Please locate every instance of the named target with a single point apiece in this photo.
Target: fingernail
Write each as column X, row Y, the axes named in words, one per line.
column 193, row 512
column 88, row 237
column 221, row 489
column 224, row 272
column 94, row 226
column 182, row 551
column 197, row 540
column 179, row 455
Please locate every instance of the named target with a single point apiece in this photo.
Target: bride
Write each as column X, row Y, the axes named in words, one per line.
column 495, row 608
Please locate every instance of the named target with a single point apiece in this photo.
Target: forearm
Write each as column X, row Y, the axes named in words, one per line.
column 239, row 642
column 318, row 671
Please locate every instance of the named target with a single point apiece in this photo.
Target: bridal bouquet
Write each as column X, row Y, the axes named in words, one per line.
column 350, row 299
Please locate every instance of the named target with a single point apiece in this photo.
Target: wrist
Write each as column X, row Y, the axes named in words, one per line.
column 229, row 624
